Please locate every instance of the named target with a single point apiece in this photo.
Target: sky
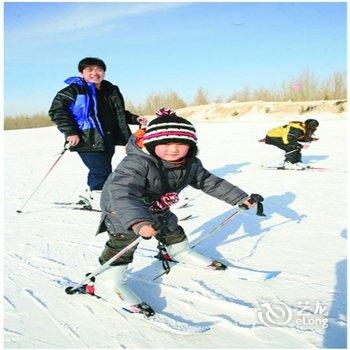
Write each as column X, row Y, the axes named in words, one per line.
column 160, row 47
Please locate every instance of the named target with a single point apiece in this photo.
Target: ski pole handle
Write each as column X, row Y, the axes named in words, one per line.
column 143, row 121
column 258, row 199
column 253, row 199
column 66, row 146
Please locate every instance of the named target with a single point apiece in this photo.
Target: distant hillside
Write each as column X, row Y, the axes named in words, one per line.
column 221, row 112
column 234, row 110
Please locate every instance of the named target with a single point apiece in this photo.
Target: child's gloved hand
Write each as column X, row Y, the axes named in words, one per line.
column 144, row 229
column 147, row 231
column 247, row 204
column 254, row 199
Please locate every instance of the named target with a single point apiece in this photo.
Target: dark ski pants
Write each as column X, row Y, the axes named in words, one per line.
column 99, row 165
column 293, row 157
column 119, row 241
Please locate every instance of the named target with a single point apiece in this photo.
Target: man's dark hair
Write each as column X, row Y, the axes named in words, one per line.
column 90, row 61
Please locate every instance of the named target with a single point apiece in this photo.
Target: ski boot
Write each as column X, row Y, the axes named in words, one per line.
column 217, row 265
column 90, row 200
column 293, row 166
column 88, row 288
column 141, row 308
column 111, row 286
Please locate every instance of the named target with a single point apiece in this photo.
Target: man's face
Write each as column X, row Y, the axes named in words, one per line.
column 310, row 130
column 93, row 74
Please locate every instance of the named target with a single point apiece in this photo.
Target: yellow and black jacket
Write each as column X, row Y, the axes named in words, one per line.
column 290, row 133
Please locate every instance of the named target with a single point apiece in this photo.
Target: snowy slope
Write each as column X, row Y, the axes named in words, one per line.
column 303, row 236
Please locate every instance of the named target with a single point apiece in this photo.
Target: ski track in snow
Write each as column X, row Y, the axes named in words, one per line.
column 65, row 328
column 9, row 301
column 49, row 248
column 209, row 294
column 10, row 332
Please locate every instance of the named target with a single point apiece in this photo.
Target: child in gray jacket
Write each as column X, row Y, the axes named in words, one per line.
column 136, row 198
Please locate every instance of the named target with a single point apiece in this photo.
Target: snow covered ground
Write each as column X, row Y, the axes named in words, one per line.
column 303, row 235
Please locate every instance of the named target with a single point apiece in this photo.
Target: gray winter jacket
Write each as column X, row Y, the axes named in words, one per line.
column 136, row 182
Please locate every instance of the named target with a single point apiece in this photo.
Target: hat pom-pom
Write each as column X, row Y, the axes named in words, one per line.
column 164, row 112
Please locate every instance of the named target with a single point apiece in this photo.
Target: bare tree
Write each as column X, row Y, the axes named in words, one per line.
column 201, row 97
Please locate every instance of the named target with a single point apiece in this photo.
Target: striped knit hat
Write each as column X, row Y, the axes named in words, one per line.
column 167, row 128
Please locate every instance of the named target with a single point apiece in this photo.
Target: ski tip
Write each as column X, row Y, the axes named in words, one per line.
column 271, row 275
column 192, row 330
column 188, row 217
column 204, row 329
column 70, row 290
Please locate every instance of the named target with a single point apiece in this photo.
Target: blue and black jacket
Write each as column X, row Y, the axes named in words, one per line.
column 74, row 111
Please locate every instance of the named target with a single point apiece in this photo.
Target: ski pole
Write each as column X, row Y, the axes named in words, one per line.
column 72, row 290
column 254, row 199
column 276, row 158
column 208, row 234
column 221, row 224
column 65, row 148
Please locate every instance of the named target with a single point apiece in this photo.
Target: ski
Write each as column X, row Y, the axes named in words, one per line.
column 159, row 320
column 188, row 217
column 75, row 206
column 308, row 168
column 185, row 205
column 232, row 271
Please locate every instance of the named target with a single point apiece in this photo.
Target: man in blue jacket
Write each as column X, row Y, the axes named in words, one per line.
column 91, row 114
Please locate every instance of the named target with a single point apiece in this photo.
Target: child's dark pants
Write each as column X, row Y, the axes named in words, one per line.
column 117, row 242
column 293, row 157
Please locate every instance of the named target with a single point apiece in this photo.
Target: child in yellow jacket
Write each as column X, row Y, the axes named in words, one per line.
column 288, row 138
